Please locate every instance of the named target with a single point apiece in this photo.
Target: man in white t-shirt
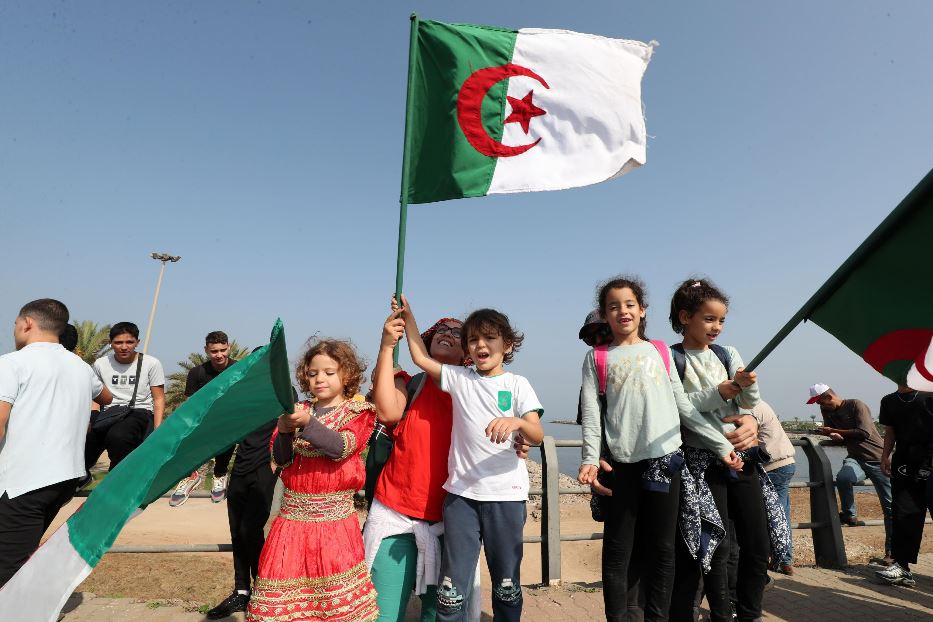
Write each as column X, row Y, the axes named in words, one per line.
column 45, row 393
column 118, row 372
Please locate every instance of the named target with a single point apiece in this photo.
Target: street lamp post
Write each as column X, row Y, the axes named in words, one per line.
column 164, row 258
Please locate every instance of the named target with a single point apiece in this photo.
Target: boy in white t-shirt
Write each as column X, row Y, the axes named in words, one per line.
column 487, row 483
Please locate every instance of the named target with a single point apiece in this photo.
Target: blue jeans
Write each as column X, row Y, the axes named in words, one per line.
column 781, row 477
column 497, row 527
column 853, row 471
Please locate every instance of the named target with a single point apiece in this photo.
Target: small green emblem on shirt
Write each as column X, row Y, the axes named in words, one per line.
column 505, row 400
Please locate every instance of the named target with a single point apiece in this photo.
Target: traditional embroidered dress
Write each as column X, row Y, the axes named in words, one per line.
column 312, row 566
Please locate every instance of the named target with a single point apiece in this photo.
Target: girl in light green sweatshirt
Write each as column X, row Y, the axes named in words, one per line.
column 717, row 385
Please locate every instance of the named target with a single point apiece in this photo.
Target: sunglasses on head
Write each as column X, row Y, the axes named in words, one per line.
column 443, row 329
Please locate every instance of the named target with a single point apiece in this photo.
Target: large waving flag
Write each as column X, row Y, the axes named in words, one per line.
column 879, row 303
column 492, row 110
column 228, row 408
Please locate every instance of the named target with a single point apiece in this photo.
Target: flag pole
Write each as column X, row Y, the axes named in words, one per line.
column 904, row 208
column 403, row 197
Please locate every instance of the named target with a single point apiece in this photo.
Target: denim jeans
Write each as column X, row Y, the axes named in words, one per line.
column 497, row 526
column 781, row 477
column 853, row 471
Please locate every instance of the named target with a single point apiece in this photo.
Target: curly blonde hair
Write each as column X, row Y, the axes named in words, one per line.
column 349, row 364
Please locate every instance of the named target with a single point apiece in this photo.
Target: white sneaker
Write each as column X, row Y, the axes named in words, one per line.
column 184, row 489
column 219, row 489
column 896, row 575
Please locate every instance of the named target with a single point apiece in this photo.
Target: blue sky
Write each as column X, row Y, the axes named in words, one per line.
column 262, row 142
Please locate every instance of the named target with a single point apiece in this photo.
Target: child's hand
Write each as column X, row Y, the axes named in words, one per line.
column 745, row 379
column 393, row 330
column 728, row 389
column 733, row 461
column 405, row 308
column 597, row 487
column 501, row 428
column 298, row 419
column 587, row 475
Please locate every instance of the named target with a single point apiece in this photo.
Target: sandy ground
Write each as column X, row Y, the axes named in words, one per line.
column 202, row 579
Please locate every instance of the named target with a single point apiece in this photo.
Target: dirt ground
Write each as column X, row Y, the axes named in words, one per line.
column 200, row 580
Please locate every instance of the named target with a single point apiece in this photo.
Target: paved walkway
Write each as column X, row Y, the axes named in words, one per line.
column 812, row 594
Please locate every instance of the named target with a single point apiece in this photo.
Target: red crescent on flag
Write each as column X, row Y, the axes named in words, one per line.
column 470, row 105
column 908, row 344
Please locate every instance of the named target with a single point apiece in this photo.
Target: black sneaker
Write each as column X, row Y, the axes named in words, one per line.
column 230, row 605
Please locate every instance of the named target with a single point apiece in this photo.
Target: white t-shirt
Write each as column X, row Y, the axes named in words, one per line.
column 51, row 391
column 120, row 378
column 478, row 468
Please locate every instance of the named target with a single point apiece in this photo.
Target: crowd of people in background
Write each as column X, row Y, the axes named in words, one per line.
column 690, row 468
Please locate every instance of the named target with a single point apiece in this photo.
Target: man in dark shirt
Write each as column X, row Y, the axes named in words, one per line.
column 908, row 419
column 849, row 421
column 217, row 348
column 249, row 501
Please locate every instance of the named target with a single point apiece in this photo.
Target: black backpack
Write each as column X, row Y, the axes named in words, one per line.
column 381, row 443
column 680, row 358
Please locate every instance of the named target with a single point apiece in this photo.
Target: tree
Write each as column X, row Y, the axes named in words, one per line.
column 93, row 340
column 175, row 390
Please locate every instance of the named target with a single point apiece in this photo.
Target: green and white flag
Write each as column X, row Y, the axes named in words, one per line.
column 492, row 110
column 879, row 303
column 250, row 393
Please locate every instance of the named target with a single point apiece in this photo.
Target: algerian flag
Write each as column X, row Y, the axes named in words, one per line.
column 492, row 110
column 248, row 394
column 879, row 303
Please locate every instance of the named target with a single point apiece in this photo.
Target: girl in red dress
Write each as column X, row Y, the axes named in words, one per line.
column 312, row 565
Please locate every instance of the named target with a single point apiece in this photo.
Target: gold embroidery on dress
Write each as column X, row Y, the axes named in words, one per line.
column 349, row 445
column 316, row 508
column 336, row 419
column 318, row 597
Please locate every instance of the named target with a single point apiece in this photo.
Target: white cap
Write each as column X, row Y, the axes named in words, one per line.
column 816, row 391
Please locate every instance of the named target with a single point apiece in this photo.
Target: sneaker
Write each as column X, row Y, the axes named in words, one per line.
column 219, row 489
column 787, row 569
column 83, row 482
column 851, row 521
column 184, row 489
column 896, row 575
column 230, row 605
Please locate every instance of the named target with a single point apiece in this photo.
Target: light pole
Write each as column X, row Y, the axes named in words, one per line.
column 164, row 258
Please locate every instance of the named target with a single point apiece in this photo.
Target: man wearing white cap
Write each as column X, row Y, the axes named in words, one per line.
column 849, row 422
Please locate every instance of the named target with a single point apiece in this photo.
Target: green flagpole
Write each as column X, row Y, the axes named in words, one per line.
column 904, row 208
column 403, row 197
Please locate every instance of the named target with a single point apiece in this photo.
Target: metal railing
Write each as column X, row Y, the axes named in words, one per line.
column 824, row 524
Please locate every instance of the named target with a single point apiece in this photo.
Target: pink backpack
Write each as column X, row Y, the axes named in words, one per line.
column 601, row 354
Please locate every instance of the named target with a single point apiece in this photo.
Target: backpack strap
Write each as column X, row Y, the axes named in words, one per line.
column 661, row 347
column 680, row 359
column 723, row 355
column 600, row 356
column 413, row 390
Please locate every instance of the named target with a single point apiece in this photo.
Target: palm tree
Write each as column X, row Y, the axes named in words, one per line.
column 93, row 340
column 175, row 391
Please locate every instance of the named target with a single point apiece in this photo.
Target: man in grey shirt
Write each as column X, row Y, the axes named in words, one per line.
column 118, row 372
column 849, row 422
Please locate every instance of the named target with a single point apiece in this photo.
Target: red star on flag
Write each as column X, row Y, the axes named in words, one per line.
column 523, row 110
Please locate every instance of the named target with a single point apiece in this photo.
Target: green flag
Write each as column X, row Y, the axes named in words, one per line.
column 244, row 397
column 879, row 303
